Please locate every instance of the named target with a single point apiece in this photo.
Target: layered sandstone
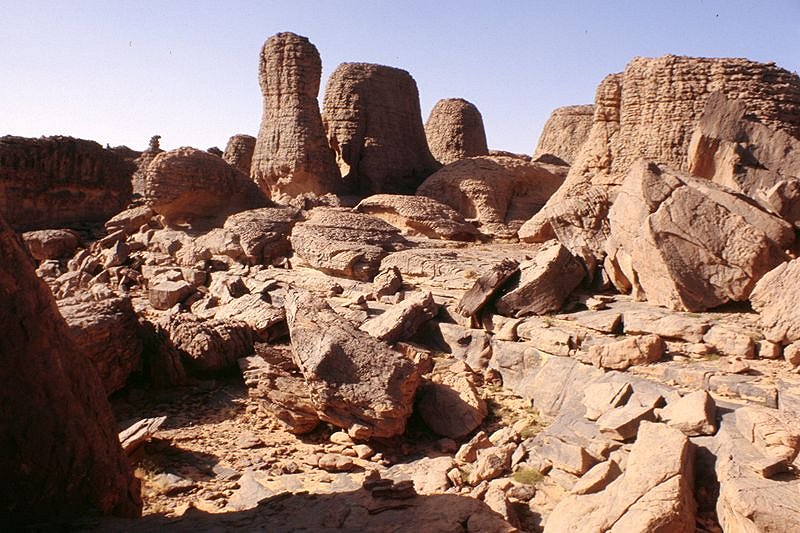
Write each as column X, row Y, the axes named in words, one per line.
column 54, row 182
column 291, row 154
column 239, row 152
column 565, row 132
column 455, row 130
column 374, row 125
column 59, row 452
column 143, row 161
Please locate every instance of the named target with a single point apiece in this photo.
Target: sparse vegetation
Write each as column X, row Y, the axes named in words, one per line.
column 527, row 476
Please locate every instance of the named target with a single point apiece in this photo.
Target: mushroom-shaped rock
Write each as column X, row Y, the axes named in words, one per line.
column 291, row 155
column 357, row 382
column 565, row 132
column 374, row 125
column 499, row 193
column 419, row 215
column 54, row 182
column 689, row 244
column 239, row 152
column 455, row 130
column 187, row 184
column 343, row 243
column 59, row 453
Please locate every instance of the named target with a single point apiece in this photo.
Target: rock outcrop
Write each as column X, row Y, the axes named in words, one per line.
column 774, row 297
column 374, row 125
column 455, row 130
column 209, row 345
column 188, row 184
column 263, row 233
column 107, row 332
column 343, row 243
column 51, row 243
column 55, row 182
column 689, row 244
column 239, row 152
column 143, row 161
column 291, row 154
column 60, row 453
column 565, row 132
column 419, row 215
column 498, row 193
column 356, row 381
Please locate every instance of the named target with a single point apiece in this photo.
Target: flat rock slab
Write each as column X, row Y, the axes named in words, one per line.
column 419, row 215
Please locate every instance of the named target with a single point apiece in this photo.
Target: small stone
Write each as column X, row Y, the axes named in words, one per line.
column 335, row 463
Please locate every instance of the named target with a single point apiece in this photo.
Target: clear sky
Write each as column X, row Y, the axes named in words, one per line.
column 118, row 72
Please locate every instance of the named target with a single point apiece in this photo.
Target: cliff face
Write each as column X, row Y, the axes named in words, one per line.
column 58, row 181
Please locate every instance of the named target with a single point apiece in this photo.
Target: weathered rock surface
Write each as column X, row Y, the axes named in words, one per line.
column 401, row 321
column 142, row 162
column 239, row 152
column 54, row 182
column 356, row 381
column 419, row 215
column 485, row 287
column 455, row 130
column 732, row 148
column 60, row 453
column 622, row 354
column 188, row 183
column 291, row 155
column 775, row 297
column 263, row 233
column 565, row 132
column 107, row 332
column 374, row 125
column 654, row 493
column 209, row 345
column 449, row 402
column 498, row 193
column 694, row 414
column 544, row 284
column 51, row 243
column 342, row 243
column 689, row 244
column 165, row 294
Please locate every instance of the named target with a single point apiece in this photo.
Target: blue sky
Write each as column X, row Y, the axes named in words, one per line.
column 118, row 72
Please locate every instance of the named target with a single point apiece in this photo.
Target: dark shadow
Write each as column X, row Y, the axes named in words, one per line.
column 161, row 455
column 355, row 511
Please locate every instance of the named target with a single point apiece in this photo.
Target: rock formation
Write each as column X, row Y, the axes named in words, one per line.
column 565, row 132
column 455, row 130
column 188, row 183
column 498, row 193
column 374, row 125
column 263, row 233
column 143, row 161
column 291, row 154
column 775, row 297
column 51, row 243
column 60, row 453
column 689, row 244
column 239, row 152
column 54, row 182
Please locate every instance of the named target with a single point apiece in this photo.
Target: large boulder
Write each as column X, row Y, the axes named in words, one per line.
column 356, row 381
column 498, row 193
column 374, row 125
column 59, row 453
column 775, row 297
column 654, row 494
column 343, row 243
column 208, row 345
column 651, row 109
column 291, row 155
column 565, row 132
column 54, row 182
column 51, row 243
column 263, row 234
column 729, row 146
column 455, row 130
column 188, row 184
column 419, row 215
column 239, row 152
column 689, row 244
column 107, row 332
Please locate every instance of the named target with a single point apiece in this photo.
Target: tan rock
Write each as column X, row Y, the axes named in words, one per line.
column 727, row 341
column 492, row 463
column 165, row 294
column 267, row 321
column 356, row 381
column 486, row 286
column 263, row 234
column 455, row 130
column 774, row 297
column 449, row 402
column 688, row 244
column 622, row 423
column 565, row 132
column 654, row 493
column 694, row 414
column 791, row 354
column 239, row 152
column 419, row 215
column 631, row 351
column 401, row 321
column 374, row 125
column 51, row 243
column 773, row 434
column 599, row 398
column 498, row 193
column 544, row 284
column 291, row 154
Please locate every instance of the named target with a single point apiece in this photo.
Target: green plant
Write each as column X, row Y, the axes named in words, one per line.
column 527, row 476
